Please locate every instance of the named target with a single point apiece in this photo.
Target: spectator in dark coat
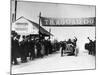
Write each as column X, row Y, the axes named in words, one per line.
column 63, row 46
column 23, row 50
column 32, row 49
column 14, row 50
column 46, row 47
column 38, row 47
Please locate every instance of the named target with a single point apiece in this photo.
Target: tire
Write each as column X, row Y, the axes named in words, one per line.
column 61, row 53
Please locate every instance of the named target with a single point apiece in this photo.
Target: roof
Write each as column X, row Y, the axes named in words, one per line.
column 42, row 30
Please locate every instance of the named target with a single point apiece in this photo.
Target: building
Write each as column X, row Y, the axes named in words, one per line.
column 24, row 26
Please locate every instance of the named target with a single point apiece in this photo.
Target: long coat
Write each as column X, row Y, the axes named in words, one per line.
column 15, row 48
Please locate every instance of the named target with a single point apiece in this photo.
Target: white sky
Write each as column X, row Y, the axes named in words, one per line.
column 31, row 10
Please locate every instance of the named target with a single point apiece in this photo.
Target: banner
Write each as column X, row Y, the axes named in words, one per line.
column 68, row 21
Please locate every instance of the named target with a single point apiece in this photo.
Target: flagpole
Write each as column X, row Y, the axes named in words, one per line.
column 39, row 24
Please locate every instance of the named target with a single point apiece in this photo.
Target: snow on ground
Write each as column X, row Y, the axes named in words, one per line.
column 55, row 62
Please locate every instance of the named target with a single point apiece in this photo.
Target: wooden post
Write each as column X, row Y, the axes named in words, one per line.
column 39, row 24
column 15, row 8
column 49, row 32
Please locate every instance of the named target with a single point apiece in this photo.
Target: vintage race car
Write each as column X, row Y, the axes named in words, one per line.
column 70, row 50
